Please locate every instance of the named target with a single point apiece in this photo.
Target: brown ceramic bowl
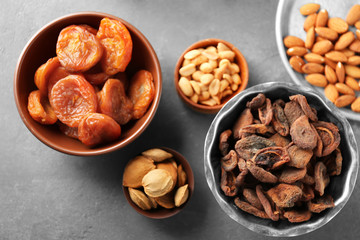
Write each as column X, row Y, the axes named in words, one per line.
column 239, row 59
column 42, row 46
column 161, row 212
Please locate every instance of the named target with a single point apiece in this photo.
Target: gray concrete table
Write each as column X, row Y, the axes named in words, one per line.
column 46, row 195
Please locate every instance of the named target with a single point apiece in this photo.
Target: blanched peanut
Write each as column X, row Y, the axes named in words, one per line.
column 234, row 68
column 228, row 78
column 186, row 62
column 223, row 85
column 236, row 78
column 194, row 98
column 192, row 54
column 222, row 47
column 227, row 54
column 213, row 63
column 204, row 87
column 195, row 86
column 227, row 92
column 210, row 54
column 234, row 87
column 197, row 75
column 185, row 86
column 187, row 70
column 199, row 60
column 224, row 62
column 209, row 102
column 214, row 87
column 206, row 78
column 206, row 67
column 205, row 95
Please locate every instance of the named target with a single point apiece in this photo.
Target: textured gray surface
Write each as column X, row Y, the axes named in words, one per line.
column 48, row 195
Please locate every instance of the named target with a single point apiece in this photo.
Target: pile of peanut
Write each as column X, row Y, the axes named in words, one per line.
column 330, row 54
column 209, row 75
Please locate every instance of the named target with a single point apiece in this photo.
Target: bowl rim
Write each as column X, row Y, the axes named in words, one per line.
column 209, row 42
column 295, row 230
column 166, row 212
column 90, row 151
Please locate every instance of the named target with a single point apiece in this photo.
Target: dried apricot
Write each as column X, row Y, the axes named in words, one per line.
column 58, row 73
column 42, row 74
column 114, row 102
column 72, row 98
column 78, row 49
column 40, row 109
column 141, row 92
column 117, row 43
column 97, row 128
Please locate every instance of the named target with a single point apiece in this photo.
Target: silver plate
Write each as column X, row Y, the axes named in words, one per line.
column 340, row 187
column 289, row 21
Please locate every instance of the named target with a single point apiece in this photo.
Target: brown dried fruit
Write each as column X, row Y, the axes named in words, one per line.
column 307, row 193
column 319, row 204
column 291, row 175
column 259, row 128
column 271, row 157
column 322, row 179
column 135, row 170
column 302, row 134
column 140, row 199
column 224, row 142
column 280, row 121
column 279, row 140
column 329, row 134
column 285, row 195
column 333, row 162
column 157, row 154
column 247, row 147
column 228, row 183
column 292, row 111
column 157, row 183
column 245, row 118
column 266, row 112
column 296, row 216
column 266, row 204
column 256, row 102
column 246, row 207
column 305, row 107
column 251, row 197
column 299, row 157
column 261, row 174
column 230, row 161
column 240, row 179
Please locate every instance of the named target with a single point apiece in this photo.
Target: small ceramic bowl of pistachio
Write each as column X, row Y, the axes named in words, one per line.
column 158, row 183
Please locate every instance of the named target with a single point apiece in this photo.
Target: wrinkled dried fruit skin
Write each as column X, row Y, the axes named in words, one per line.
column 279, row 140
column 295, row 216
column 245, row 118
column 309, row 180
column 242, row 164
column 58, row 73
column 266, row 112
column 292, row 111
column 258, row 128
column 285, row 195
column 299, row 157
column 319, row 144
column 291, row 175
column 301, row 100
column 246, row 207
column 333, row 162
column 302, row 134
column 240, row 178
column 251, row 197
column 43, row 74
column 140, row 199
column 224, row 142
column 330, row 136
column 114, row 102
column 96, row 78
column 78, row 49
column 72, row 98
column 141, row 92
column 266, row 204
column 68, row 131
column 322, row 179
column 39, row 108
column 117, row 44
column 271, row 157
column 228, row 183
column 256, row 102
column 307, row 193
column 97, row 128
column 319, row 204
column 247, row 147
column 280, row 121
column 261, row 174
column 230, row 161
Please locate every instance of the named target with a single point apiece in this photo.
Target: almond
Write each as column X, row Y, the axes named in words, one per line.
column 316, row 79
column 352, row 71
column 344, row 89
column 338, row 25
column 327, row 33
column 353, row 14
column 336, row 56
column 348, row 53
column 322, row 47
column 332, row 64
column 330, row 74
column 314, row 58
column 309, row 68
column 355, row 106
column 344, row 100
column 292, row 41
column 331, row 93
column 357, row 33
column 352, row 83
column 309, row 8
column 318, row 38
column 353, row 60
column 357, row 24
column 310, row 38
column 340, row 72
column 355, row 46
column 296, row 51
column 296, row 63
column 322, row 18
column 344, row 40
column 310, row 21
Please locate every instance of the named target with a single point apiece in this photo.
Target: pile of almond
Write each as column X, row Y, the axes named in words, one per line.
column 208, row 75
column 329, row 56
column 155, row 178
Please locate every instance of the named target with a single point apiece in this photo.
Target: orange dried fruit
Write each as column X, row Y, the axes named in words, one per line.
column 40, row 109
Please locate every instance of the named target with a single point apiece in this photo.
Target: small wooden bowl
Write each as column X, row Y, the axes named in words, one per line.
column 239, row 59
column 161, row 212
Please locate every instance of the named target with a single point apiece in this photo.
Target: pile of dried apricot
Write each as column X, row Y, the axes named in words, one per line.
column 85, row 89
column 155, row 178
column 278, row 158
column 333, row 61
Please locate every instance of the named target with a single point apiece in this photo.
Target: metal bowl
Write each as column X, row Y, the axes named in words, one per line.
column 340, row 186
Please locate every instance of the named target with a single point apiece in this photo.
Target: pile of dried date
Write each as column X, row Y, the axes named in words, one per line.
column 278, row 158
